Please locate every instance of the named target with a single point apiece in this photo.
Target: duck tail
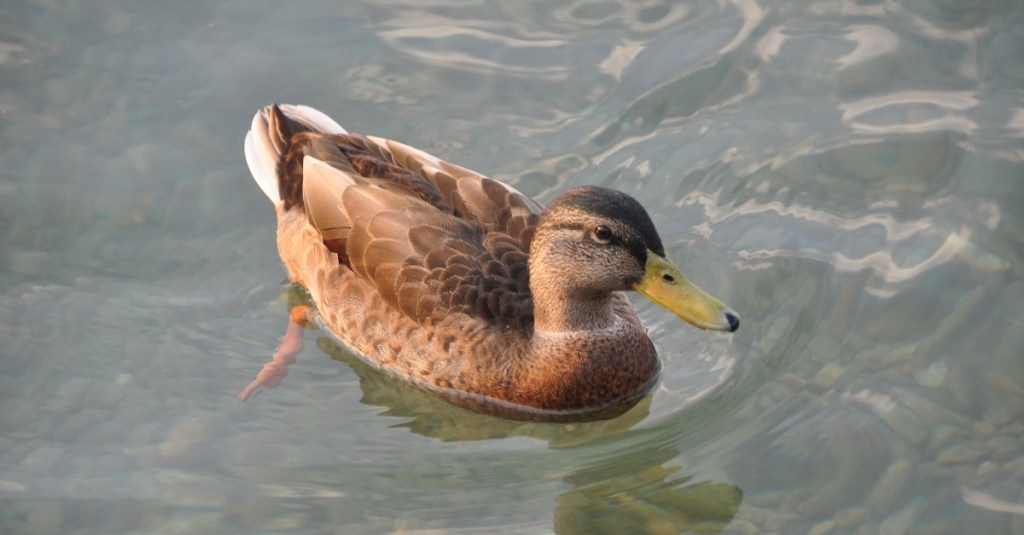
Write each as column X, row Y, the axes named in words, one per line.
column 268, row 137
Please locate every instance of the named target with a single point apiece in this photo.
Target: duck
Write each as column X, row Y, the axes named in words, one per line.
column 461, row 285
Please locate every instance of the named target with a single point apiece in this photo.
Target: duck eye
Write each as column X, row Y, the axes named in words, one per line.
column 602, row 233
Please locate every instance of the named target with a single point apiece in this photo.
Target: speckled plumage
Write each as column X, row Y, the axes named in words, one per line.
column 456, row 282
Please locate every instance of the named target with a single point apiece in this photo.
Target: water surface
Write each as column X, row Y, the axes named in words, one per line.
column 846, row 175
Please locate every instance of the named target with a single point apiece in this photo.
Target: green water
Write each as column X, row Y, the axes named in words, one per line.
column 848, row 176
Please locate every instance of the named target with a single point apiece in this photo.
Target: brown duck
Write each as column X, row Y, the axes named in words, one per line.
column 462, row 285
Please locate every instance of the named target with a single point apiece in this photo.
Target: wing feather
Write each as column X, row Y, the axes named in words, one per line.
column 323, row 186
column 430, row 237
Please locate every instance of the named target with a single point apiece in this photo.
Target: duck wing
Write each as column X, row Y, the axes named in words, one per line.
column 492, row 204
column 432, row 238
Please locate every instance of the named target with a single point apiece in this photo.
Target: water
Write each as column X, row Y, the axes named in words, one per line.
column 846, row 175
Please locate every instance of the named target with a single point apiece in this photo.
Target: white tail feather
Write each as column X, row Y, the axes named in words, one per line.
column 260, row 152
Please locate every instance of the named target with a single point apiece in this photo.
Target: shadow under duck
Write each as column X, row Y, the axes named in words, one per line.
column 462, row 285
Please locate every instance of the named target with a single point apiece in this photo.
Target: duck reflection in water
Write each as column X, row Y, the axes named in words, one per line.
column 634, row 490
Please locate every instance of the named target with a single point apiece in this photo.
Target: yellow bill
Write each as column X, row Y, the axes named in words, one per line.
column 665, row 285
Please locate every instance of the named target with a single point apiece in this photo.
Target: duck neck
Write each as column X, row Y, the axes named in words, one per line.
column 561, row 309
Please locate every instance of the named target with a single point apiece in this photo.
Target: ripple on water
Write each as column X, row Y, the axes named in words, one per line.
column 844, row 174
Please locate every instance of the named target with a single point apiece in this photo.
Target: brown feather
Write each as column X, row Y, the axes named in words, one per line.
column 385, row 278
column 384, row 251
column 425, row 238
column 323, row 186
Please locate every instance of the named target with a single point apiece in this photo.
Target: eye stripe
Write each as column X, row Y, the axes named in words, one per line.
column 566, row 226
column 635, row 247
